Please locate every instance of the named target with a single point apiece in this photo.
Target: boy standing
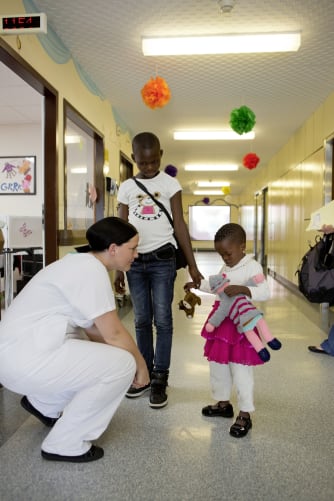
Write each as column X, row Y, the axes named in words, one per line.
column 152, row 275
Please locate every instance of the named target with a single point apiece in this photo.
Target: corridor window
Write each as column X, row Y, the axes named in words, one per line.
column 204, row 221
column 247, row 220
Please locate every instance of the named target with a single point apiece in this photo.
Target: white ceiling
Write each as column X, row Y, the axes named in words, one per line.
column 282, row 89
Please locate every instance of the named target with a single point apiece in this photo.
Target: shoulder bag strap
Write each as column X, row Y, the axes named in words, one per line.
column 159, row 204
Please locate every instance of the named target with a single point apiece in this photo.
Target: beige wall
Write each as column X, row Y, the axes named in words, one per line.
column 295, row 181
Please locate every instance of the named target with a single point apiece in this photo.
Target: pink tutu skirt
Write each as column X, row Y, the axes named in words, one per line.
column 225, row 344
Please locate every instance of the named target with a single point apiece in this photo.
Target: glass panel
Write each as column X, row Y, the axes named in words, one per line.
column 247, row 220
column 80, row 189
column 205, row 221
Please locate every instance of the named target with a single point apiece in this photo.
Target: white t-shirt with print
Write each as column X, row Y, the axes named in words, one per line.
column 151, row 222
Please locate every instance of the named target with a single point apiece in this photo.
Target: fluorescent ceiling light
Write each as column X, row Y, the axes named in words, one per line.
column 208, row 192
column 209, row 135
column 212, row 184
column 72, row 139
column 78, row 170
column 211, row 167
column 221, row 44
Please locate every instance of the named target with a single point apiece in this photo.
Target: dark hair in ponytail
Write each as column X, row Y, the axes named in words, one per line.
column 107, row 231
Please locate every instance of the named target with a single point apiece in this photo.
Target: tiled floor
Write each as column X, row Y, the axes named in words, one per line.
column 175, row 454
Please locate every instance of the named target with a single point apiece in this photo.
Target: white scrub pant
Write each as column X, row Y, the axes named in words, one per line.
column 222, row 378
column 83, row 380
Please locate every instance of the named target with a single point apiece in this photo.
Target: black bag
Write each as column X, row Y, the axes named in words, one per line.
column 316, row 271
column 180, row 258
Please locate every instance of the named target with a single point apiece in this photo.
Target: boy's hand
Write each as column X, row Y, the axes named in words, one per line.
column 196, row 275
column 189, row 285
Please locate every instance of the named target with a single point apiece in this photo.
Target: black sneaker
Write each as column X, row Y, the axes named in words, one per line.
column 158, row 396
column 137, row 392
column 93, row 454
column 47, row 421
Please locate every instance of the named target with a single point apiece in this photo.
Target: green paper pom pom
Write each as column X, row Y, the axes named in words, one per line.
column 242, row 119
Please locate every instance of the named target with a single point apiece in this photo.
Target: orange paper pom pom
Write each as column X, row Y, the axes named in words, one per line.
column 156, row 93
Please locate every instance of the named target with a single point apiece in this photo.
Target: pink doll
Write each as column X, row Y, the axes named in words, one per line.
column 243, row 314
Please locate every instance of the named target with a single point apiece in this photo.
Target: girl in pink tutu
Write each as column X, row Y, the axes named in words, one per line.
column 230, row 354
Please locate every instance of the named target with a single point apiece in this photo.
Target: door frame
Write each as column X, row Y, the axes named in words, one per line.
column 50, row 209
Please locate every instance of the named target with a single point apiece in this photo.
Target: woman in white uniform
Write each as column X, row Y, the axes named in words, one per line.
column 63, row 346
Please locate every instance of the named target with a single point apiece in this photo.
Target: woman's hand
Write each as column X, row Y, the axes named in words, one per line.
column 142, row 377
column 327, row 228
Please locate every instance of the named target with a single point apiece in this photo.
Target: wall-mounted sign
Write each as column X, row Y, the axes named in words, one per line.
column 18, row 175
column 20, row 24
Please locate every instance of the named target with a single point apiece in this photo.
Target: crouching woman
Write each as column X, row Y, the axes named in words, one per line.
column 63, row 346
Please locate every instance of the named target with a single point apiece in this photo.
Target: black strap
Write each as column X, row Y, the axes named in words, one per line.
column 159, row 204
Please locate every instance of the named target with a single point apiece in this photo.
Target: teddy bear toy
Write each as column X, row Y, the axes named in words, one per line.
column 188, row 303
column 243, row 314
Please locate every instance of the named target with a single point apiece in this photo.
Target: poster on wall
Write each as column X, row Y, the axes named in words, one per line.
column 18, row 175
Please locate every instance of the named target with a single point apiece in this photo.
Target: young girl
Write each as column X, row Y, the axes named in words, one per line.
column 230, row 354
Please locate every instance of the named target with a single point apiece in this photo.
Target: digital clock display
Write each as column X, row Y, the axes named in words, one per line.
column 12, row 23
column 32, row 23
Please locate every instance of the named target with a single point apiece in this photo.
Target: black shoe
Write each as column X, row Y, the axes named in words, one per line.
column 137, row 392
column 158, row 396
column 93, row 454
column 47, row 421
column 241, row 426
column 314, row 349
column 217, row 410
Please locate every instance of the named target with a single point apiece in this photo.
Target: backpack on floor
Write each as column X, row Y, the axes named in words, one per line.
column 316, row 271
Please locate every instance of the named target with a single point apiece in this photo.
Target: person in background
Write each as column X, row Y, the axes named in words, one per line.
column 152, row 274
column 327, row 346
column 63, row 346
column 230, row 354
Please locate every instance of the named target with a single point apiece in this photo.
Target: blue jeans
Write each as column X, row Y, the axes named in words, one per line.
column 328, row 344
column 151, row 283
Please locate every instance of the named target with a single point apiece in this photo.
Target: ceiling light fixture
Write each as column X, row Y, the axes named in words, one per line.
column 211, row 167
column 207, row 192
column 211, row 135
column 226, row 6
column 212, row 184
column 221, row 44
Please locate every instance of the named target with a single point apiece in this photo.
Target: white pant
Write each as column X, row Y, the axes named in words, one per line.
column 85, row 381
column 222, row 378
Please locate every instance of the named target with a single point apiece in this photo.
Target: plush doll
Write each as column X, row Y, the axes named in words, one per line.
column 243, row 314
column 188, row 303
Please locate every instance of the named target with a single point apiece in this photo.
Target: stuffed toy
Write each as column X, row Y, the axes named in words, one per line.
column 188, row 303
column 243, row 314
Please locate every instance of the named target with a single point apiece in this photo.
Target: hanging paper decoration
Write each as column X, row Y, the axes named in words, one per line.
column 226, row 190
column 156, row 93
column 242, row 119
column 206, row 200
column 250, row 160
column 171, row 170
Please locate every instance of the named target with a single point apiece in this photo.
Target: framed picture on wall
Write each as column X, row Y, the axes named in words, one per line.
column 18, row 175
